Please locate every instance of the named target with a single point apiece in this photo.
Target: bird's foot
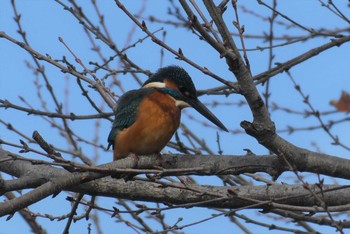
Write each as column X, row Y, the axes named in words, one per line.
column 159, row 159
column 135, row 159
column 130, row 176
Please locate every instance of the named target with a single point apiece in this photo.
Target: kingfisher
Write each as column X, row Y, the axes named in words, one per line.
column 146, row 118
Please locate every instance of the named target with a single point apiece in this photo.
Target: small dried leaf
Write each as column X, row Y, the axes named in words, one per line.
column 343, row 104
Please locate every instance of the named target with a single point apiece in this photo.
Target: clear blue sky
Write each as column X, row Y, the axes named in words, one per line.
column 322, row 78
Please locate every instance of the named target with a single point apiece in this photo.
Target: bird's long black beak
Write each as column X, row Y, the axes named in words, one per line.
column 196, row 104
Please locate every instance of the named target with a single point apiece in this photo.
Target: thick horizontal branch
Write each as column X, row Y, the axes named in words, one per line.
column 175, row 165
column 170, row 165
column 264, row 197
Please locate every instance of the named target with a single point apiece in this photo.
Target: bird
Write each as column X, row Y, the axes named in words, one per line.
column 146, row 118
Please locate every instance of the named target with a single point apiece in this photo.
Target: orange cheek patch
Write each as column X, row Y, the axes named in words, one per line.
column 170, row 84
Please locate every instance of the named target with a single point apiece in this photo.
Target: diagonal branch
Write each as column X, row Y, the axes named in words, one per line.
column 281, row 67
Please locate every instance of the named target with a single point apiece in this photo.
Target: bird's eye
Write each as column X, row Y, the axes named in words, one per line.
column 186, row 93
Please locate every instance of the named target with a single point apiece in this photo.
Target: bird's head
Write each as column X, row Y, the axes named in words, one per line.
column 177, row 78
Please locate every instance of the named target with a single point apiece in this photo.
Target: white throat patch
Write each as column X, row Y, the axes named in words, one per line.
column 179, row 103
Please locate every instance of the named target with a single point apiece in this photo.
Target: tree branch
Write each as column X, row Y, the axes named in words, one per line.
column 55, row 180
column 281, row 67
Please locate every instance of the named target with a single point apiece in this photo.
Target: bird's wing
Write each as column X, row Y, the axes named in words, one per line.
column 126, row 112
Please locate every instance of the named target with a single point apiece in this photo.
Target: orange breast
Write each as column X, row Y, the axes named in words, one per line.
column 156, row 121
